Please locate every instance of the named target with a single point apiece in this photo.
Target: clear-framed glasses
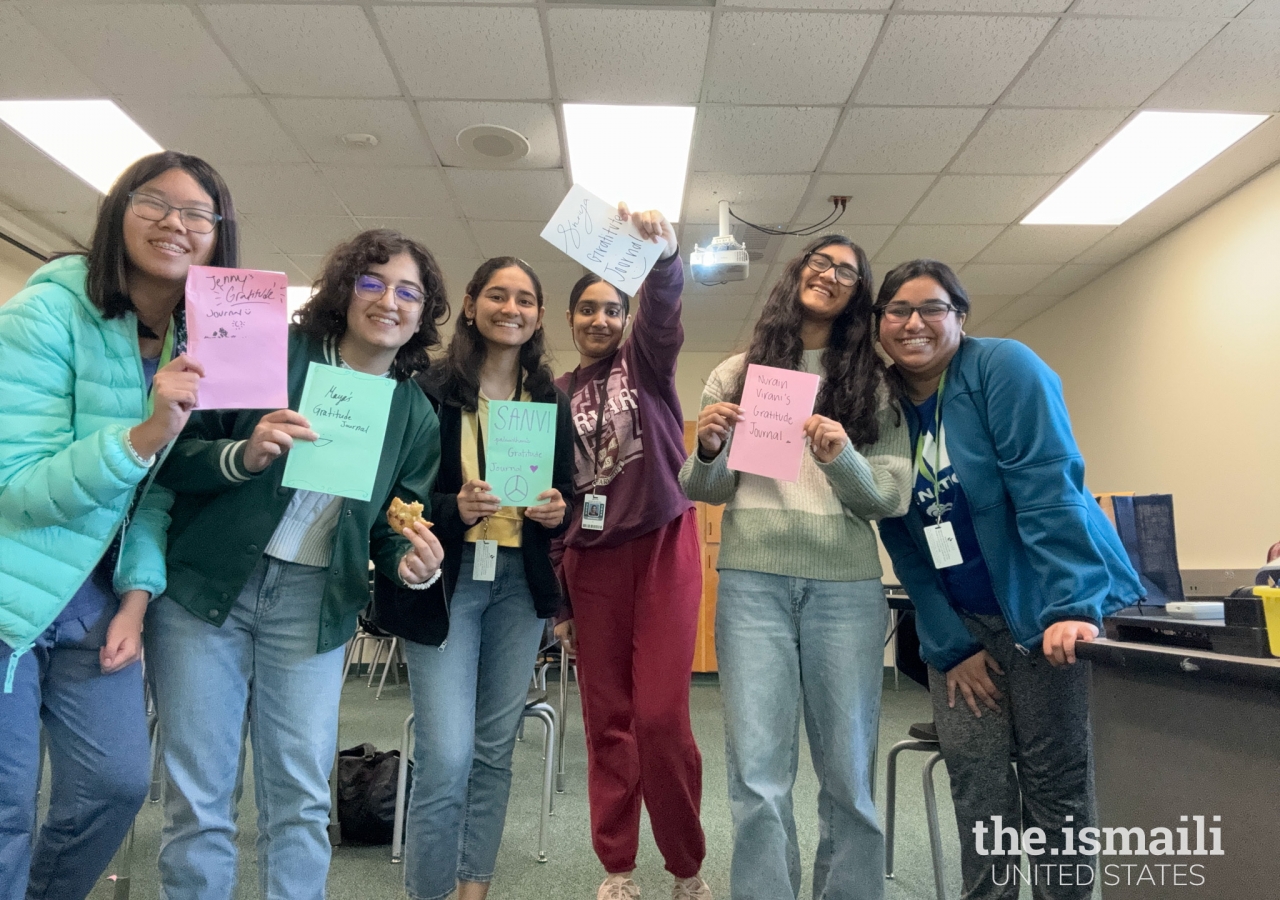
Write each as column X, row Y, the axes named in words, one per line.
column 930, row 311
column 820, row 262
column 153, row 209
column 371, row 288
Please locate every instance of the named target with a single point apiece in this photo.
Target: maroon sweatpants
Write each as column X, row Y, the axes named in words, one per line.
column 635, row 613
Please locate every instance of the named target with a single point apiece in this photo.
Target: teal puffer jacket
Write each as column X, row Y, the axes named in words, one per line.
column 71, row 386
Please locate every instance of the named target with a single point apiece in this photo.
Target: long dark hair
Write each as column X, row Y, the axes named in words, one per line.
column 852, row 371
column 893, row 282
column 107, row 283
column 325, row 314
column 458, row 374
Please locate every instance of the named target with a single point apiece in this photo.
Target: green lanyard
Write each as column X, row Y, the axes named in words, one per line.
column 937, row 450
column 166, row 356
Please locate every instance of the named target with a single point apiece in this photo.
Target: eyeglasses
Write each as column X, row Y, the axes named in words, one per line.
column 153, row 209
column 820, row 262
column 372, row 288
column 931, row 311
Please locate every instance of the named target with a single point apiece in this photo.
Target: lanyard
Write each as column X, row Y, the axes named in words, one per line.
column 594, row 454
column 166, row 356
column 924, row 470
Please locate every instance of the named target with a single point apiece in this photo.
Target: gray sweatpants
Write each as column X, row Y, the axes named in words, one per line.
column 1043, row 728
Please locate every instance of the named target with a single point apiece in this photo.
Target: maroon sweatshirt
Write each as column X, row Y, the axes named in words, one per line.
column 641, row 438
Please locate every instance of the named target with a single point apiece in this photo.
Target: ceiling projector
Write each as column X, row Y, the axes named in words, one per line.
column 724, row 259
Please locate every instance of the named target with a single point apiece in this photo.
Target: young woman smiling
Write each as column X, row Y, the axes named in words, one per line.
column 93, row 386
column 471, row 657
column 1032, row 561
column 267, row 581
column 634, row 573
column 801, row 617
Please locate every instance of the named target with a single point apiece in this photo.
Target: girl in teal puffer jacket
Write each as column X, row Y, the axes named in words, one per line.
column 93, row 387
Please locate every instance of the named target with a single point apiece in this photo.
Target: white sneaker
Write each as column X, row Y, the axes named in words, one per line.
column 690, row 889
column 620, row 887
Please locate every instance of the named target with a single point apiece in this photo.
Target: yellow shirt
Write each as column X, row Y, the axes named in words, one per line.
column 505, row 525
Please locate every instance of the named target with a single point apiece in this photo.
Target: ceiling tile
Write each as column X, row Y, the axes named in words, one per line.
column 988, row 278
column 1222, row 8
column 457, row 272
column 874, row 199
column 306, row 235
column 1262, row 9
column 558, row 278
column 715, row 332
column 981, row 199
column 508, row 196
column 292, row 190
column 442, row 236
column 536, row 121
column 254, row 243
column 222, row 130
column 954, row 245
column 108, row 42
column 950, row 60
column 1033, row 141
column 723, row 306
column 309, row 267
column 268, row 260
column 1068, row 280
column 764, row 199
column 322, row 50
column 1043, row 243
column 522, row 239
column 1109, row 62
column 1021, row 310
column 463, row 53
column 31, row 181
column 410, row 193
column 79, row 224
column 812, row 4
column 1236, row 71
column 32, row 68
column 629, row 55
column 989, row 6
column 984, row 307
column 869, row 237
column 760, row 139
column 773, row 57
column 900, row 139
column 320, row 124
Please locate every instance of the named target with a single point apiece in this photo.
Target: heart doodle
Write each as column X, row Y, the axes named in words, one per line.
column 533, row 468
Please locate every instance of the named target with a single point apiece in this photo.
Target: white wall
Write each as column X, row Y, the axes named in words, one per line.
column 1171, row 366
column 15, row 268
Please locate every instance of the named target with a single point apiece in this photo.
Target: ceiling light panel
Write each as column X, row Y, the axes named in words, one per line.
column 1145, row 159
column 93, row 139
column 639, row 154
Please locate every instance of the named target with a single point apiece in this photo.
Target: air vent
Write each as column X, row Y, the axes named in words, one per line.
column 492, row 145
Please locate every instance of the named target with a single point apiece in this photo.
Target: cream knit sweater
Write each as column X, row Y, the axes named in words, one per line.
column 819, row 527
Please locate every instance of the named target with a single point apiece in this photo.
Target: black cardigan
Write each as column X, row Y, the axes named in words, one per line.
column 423, row 616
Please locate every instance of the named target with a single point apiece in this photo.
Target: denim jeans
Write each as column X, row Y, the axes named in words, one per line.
column 468, row 697
column 98, row 753
column 260, row 672
column 786, row 644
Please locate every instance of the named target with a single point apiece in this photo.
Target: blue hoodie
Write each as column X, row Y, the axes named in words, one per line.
column 71, row 387
column 1051, row 551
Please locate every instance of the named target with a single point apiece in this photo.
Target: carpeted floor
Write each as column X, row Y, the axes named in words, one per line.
column 361, row 873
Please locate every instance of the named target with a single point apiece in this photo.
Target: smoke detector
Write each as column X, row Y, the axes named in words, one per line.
column 492, row 145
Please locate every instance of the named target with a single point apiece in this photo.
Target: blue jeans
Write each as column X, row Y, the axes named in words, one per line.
column 468, row 697
column 98, row 751
column 260, row 672
column 785, row 644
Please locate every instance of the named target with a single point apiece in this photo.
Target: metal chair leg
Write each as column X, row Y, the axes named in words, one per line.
column 547, row 714
column 564, row 703
column 373, row 666
column 390, row 664
column 935, row 832
column 402, row 789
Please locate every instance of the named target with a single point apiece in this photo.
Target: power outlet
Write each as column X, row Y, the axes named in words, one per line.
column 839, row 198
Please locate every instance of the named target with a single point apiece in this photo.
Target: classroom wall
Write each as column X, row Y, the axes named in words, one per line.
column 1171, row 367
column 15, row 268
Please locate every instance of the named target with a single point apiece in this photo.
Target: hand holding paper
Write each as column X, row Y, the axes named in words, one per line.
column 600, row 238
column 653, row 226
column 273, row 437
column 827, row 437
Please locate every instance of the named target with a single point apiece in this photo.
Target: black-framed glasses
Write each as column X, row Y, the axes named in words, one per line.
column 820, row 262
column 153, row 209
column 371, row 288
column 930, row 311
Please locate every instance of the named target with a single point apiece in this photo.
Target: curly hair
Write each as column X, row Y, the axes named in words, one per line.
column 107, row 282
column 325, row 314
column 458, row 374
column 853, row 372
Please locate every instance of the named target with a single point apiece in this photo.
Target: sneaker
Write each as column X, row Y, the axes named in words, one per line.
column 924, row 731
column 619, row 887
column 690, row 889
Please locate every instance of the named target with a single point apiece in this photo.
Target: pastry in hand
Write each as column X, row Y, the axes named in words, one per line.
column 401, row 515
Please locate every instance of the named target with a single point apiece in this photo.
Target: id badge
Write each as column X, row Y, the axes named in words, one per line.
column 486, row 567
column 942, row 545
column 593, row 512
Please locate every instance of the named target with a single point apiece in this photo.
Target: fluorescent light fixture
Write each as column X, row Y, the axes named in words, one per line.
column 92, row 139
column 639, row 154
column 1141, row 161
column 295, row 297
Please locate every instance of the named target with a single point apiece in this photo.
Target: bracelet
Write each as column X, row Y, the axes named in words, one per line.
column 426, row 584
column 137, row 457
